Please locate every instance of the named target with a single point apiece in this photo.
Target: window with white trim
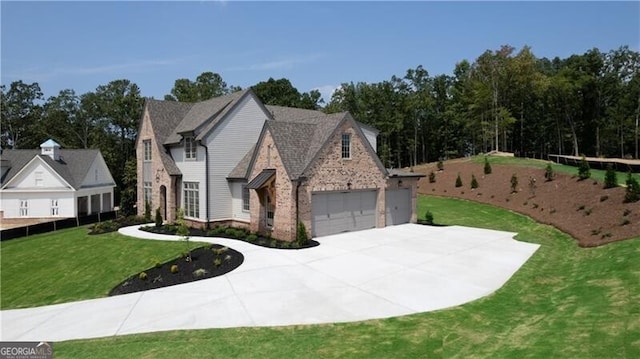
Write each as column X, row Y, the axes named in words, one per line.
column 190, row 149
column 147, row 150
column 147, row 193
column 55, row 210
column 24, row 208
column 346, row 146
column 191, row 200
column 39, row 179
column 246, row 199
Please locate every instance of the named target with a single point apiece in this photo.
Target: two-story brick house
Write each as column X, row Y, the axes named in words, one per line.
column 235, row 161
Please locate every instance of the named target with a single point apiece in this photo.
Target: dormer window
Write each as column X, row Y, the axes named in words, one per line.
column 346, row 146
column 190, row 149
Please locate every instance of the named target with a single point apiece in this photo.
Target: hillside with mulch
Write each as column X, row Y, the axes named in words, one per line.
column 583, row 209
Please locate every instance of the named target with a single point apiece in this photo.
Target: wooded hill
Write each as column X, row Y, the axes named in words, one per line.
column 504, row 100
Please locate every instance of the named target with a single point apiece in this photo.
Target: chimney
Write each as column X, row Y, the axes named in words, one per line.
column 51, row 148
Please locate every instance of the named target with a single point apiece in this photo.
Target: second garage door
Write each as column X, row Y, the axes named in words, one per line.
column 336, row 212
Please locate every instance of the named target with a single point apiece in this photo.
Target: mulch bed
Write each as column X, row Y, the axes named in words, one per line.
column 592, row 215
column 259, row 240
column 206, row 262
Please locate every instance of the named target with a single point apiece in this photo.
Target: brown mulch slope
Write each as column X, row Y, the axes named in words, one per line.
column 592, row 215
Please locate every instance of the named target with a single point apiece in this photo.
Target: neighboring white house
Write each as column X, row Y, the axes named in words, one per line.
column 54, row 182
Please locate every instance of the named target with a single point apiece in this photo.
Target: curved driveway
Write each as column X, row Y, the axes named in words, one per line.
column 355, row 276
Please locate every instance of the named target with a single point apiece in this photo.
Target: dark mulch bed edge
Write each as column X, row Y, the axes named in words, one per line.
column 206, row 262
column 259, row 240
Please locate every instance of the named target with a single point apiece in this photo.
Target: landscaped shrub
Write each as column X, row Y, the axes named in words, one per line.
column 301, row 234
column 199, row 272
column 532, row 186
column 217, row 262
column 147, row 211
column 432, row 177
column 474, row 182
column 428, row 217
column 142, row 276
column 514, row 183
column 458, row 181
column 625, row 221
column 174, row 268
column 487, row 166
column 633, row 189
column 104, row 227
column 440, row 165
column 549, row 175
column 158, row 218
column 183, row 231
column 610, row 177
column 626, row 212
column 604, row 198
column 584, row 171
column 252, row 238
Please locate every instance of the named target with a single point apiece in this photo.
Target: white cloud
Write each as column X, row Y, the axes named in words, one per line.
column 326, row 91
column 126, row 68
column 284, row 63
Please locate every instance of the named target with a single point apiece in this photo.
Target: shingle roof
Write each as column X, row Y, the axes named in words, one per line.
column 202, row 116
column 165, row 116
column 241, row 169
column 300, row 139
column 72, row 167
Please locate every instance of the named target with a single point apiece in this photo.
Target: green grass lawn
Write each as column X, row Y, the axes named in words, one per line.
column 565, row 302
column 70, row 265
column 596, row 174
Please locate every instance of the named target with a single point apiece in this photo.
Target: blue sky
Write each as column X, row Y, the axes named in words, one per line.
column 81, row 45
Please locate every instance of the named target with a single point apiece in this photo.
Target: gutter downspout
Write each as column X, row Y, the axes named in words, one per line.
column 206, row 176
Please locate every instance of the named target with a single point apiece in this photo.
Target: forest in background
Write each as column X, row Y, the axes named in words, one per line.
column 506, row 100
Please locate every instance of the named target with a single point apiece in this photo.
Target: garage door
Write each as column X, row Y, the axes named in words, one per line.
column 336, row 212
column 398, row 206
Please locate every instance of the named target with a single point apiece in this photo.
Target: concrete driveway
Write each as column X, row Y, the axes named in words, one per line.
column 370, row 274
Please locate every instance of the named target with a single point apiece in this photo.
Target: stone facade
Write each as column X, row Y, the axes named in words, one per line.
column 330, row 172
column 284, row 220
column 158, row 175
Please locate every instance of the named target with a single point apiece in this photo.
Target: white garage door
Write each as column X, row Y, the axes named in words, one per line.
column 336, row 212
column 398, row 206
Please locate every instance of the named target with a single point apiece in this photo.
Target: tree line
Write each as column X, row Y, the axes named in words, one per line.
column 504, row 100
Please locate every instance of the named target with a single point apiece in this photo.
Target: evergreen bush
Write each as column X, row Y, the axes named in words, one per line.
column 514, row 183
column 633, row 189
column 474, row 182
column 549, row 175
column 432, row 177
column 458, row 181
column 158, row 218
column 147, row 211
column 610, row 177
column 301, row 234
column 584, row 171
column 428, row 217
column 440, row 165
column 487, row 166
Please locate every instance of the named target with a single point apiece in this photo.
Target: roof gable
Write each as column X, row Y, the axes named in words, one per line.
column 300, row 136
column 73, row 165
column 25, row 178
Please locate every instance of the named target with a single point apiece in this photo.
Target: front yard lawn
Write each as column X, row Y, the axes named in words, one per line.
column 70, row 265
column 565, row 302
